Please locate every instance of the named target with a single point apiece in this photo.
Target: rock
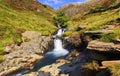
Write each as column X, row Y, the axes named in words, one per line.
column 9, row 49
column 35, row 56
column 98, row 32
column 110, row 63
column 103, row 46
column 31, row 74
column 30, row 35
column 4, row 73
column 62, row 61
column 78, row 41
column 54, row 69
column 64, row 67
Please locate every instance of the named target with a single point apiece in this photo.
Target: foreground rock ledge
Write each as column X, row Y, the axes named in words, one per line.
column 102, row 46
column 110, row 63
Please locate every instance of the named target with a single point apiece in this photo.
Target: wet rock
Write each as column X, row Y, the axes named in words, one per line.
column 64, row 67
column 54, row 69
column 31, row 74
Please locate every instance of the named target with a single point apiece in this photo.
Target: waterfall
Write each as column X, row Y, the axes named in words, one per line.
column 53, row 55
column 57, row 44
column 60, row 32
column 58, row 50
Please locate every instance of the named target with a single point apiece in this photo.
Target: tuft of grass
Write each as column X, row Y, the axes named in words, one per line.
column 2, row 58
column 108, row 37
column 111, row 37
column 117, row 33
column 115, row 70
column 91, row 65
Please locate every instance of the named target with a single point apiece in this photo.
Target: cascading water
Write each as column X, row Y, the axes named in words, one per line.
column 50, row 57
column 57, row 52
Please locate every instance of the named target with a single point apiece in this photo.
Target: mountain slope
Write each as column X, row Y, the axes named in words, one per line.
column 17, row 16
column 97, row 17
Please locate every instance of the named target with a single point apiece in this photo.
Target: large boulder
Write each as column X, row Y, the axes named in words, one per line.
column 78, row 41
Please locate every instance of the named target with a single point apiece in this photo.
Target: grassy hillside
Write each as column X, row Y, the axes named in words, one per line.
column 97, row 18
column 17, row 16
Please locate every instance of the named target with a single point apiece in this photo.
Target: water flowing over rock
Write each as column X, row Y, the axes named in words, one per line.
column 25, row 55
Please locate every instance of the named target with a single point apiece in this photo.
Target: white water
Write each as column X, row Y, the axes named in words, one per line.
column 58, row 50
column 60, row 32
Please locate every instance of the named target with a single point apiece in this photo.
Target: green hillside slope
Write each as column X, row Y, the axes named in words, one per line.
column 96, row 18
column 27, row 15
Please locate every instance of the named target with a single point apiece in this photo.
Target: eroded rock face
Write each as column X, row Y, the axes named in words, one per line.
column 78, row 41
column 25, row 55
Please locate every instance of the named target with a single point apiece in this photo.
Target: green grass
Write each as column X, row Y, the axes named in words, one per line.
column 2, row 58
column 115, row 70
column 95, row 21
column 91, row 65
column 111, row 37
column 13, row 23
column 108, row 37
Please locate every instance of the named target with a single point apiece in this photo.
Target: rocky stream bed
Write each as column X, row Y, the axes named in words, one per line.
column 22, row 58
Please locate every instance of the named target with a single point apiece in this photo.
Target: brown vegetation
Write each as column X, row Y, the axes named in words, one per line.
column 32, row 5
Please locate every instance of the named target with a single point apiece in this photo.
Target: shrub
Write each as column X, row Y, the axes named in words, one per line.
column 61, row 19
